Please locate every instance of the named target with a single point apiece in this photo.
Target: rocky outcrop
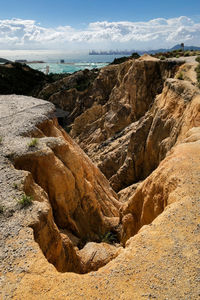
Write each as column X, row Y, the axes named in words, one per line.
column 112, row 87
column 176, row 178
column 76, row 93
column 74, row 194
column 96, row 255
column 103, row 117
column 75, row 187
column 129, row 135
column 156, row 133
column 136, row 83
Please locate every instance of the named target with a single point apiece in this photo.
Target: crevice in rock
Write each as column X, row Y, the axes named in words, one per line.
column 68, row 239
column 62, row 243
column 81, row 211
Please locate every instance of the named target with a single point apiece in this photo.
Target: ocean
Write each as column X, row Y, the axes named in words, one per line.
column 65, row 67
column 72, row 61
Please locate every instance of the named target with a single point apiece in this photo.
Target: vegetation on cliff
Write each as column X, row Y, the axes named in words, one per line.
column 16, row 78
column 120, row 60
column 198, row 70
column 175, row 53
column 20, row 79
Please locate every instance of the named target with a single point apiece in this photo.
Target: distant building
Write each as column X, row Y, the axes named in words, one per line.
column 62, row 61
column 182, row 46
column 47, row 70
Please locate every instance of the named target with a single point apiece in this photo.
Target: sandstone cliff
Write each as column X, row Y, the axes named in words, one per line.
column 131, row 116
column 77, row 199
column 73, row 206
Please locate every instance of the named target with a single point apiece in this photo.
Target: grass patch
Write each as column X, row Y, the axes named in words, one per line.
column 33, row 143
column 162, row 57
column 180, row 76
column 1, row 139
column 109, row 238
column 198, row 59
column 175, row 53
column 25, row 200
column 15, row 185
column 198, row 75
column 187, row 53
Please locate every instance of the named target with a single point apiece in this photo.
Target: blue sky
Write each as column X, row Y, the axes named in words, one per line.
column 105, row 24
column 78, row 13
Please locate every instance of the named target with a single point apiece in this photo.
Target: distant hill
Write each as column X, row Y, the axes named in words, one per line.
column 19, row 79
column 129, row 52
column 176, row 47
column 3, row 60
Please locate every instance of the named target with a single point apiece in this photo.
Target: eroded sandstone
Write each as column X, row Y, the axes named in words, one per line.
column 104, row 117
column 142, row 119
column 73, row 201
column 74, row 194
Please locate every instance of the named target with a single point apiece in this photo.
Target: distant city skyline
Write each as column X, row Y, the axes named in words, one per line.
column 101, row 25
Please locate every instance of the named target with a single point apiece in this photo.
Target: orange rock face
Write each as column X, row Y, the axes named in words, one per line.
column 75, row 187
column 176, row 178
column 103, row 117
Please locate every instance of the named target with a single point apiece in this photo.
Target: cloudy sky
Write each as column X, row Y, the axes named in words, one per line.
column 98, row 24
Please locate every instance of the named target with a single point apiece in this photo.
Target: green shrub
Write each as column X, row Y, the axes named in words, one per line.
column 135, row 55
column 109, row 238
column 33, row 142
column 180, row 76
column 15, row 185
column 1, row 139
column 119, row 60
column 177, row 56
column 187, row 53
column 197, row 69
column 198, row 59
column 25, row 200
column 162, row 57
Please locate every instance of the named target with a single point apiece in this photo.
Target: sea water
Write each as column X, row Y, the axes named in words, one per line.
column 65, row 67
column 73, row 61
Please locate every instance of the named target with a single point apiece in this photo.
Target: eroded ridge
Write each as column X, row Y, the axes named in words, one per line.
column 76, row 202
column 84, row 206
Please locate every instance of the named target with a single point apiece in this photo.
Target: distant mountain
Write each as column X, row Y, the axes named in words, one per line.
column 177, row 47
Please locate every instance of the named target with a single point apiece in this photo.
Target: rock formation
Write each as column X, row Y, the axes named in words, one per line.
column 57, row 209
column 127, row 127
column 77, row 196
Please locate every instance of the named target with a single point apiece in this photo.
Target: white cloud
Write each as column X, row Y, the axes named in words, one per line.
column 27, row 34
